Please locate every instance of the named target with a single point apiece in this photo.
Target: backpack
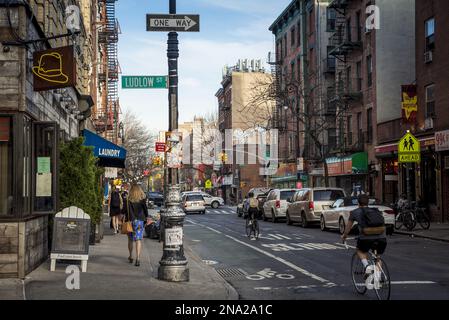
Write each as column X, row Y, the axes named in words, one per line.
column 253, row 203
column 115, row 200
column 373, row 222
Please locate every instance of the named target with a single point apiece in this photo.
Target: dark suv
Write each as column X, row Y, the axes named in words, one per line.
column 157, row 198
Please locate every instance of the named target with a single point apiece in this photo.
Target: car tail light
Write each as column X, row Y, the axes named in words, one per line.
column 278, row 203
column 389, row 211
column 311, row 205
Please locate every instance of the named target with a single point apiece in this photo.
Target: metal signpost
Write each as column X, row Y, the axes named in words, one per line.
column 409, row 151
column 173, row 265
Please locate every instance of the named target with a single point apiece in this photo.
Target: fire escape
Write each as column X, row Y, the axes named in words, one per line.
column 347, row 89
column 108, row 115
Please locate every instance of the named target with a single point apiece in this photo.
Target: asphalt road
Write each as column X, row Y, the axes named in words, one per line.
column 289, row 262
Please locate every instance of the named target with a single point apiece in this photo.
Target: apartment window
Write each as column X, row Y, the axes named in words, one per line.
column 359, row 128
column 359, row 76
column 358, row 26
column 281, row 45
column 290, row 144
column 332, row 138
column 292, row 36
column 348, row 30
column 331, row 19
column 349, row 129
column 285, row 45
column 430, row 101
column 348, row 79
column 292, row 66
column 430, row 33
column 278, row 51
column 341, row 131
column 369, row 124
column 330, row 59
column 369, row 67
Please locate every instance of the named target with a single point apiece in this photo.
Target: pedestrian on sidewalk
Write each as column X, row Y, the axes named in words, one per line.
column 137, row 214
column 115, row 207
column 124, row 194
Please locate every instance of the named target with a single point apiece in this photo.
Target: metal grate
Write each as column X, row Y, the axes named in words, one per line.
column 232, row 273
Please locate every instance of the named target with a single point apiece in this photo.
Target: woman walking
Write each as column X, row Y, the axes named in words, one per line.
column 115, row 208
column 137, row 214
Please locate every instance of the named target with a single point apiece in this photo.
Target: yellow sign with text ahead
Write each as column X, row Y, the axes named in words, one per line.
column 409, row 149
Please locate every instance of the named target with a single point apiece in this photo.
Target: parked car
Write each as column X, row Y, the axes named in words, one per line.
column 275, row 206
column 211, row 201
column 337, row 216
column 156, row 197
column 307, row 204
column 193, row 203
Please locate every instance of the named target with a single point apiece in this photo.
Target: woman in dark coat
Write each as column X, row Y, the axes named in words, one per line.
column 137, row 214
column 115, row 207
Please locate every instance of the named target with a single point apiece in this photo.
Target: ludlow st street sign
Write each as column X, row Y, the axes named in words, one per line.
column 144, row 82
column 173, row 22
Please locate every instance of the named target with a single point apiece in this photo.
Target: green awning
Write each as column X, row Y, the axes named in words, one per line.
column 356, row 163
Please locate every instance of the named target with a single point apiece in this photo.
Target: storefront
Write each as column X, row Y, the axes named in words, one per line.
column 424, row 184
column 349, row 173
column 109, row 154
column 288, row 177
column 442, row 172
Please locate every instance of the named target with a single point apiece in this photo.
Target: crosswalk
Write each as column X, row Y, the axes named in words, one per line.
column 226, row 211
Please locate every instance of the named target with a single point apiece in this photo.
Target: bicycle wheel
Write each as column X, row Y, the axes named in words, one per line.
column 424, row 220
column 409, row 220
column 256, row 229
column 399, row 221
column 248, row 227
column 383, row 289
column 357, row 274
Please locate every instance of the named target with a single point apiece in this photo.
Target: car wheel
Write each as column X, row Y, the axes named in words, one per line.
column 289, row 222
column 341, row 226
column 273, row 217
column 390, row 231
column 323, row 224
column 304, row 222
column 215, row 204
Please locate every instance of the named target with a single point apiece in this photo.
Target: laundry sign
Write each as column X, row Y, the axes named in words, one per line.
column 54, row 69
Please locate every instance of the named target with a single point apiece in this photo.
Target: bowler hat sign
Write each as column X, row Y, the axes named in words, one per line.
column 54, row 69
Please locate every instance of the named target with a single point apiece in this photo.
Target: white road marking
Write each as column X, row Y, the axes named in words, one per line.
column 344, row 246
column 287, row 263
column 413, row 282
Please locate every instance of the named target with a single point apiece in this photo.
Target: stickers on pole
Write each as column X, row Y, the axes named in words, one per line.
column 409, row 149
column 173, row 236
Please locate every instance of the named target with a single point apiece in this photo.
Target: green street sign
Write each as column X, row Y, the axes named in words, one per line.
column 144, row 82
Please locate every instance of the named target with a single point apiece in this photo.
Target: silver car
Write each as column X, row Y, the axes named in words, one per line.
column 193, row 203
column 275, row 206
column 211, row 201
column 308, row 203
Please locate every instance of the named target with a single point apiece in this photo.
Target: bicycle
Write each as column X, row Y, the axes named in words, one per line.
column 421, row 216
column 378, row 279
column 252, row 226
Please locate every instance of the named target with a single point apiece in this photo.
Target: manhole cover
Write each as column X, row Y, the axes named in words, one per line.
column 210, row 262
column 233, row 273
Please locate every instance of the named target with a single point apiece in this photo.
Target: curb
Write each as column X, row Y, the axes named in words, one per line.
column 421, row 236
column 232, row 292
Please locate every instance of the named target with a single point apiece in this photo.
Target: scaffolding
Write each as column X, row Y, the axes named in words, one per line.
column 108, row 114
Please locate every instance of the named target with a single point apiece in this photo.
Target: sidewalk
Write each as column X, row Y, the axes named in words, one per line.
column 109, row 276
column 437, row 231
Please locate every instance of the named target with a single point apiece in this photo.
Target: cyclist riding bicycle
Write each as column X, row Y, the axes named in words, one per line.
column 253, row 206
column 372, row 235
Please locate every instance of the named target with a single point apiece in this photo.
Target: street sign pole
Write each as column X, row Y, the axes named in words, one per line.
column 173, row 264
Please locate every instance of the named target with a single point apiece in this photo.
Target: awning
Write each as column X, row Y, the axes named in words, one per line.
column 353, row 164
column 109, row 154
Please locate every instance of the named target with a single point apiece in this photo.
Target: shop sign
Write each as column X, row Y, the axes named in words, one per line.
column 409, row 102
column 442, row 141
column 354, row 164
column 4, row 129
column 54, row 69
column 173, row 236
column 300, row 164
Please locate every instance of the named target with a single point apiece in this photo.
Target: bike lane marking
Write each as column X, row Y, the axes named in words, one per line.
column 279, row 259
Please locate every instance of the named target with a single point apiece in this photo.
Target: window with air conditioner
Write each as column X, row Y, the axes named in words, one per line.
column 430, row 101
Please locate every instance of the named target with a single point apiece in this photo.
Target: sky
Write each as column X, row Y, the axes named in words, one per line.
column 229, row 30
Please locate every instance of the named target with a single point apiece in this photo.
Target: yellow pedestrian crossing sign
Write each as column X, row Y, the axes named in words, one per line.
column 208, row 184
column 409, row 149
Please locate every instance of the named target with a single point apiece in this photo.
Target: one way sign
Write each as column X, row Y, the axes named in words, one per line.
column 173, row 22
